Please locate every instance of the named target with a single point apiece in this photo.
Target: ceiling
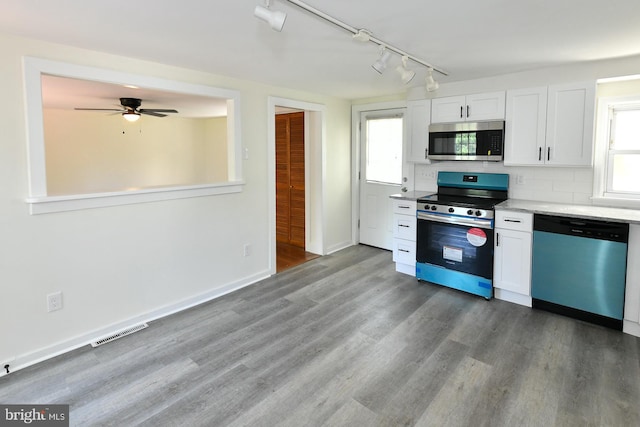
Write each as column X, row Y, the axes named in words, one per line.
column 467, row 38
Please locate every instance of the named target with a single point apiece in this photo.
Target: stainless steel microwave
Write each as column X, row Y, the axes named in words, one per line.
column 467, row 141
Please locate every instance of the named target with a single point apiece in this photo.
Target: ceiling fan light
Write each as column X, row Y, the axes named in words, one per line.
column 131, row 116
column 274, row 18
column 381, row 63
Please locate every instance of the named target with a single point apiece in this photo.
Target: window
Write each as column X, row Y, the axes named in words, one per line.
column 623, row 154
column 384, row 150
column 89, row 159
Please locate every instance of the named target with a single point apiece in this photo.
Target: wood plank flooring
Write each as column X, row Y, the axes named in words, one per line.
column 288, row 256
column 344, row 340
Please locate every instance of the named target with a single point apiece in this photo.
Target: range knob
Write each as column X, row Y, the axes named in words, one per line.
column 434, row 207
column 469, row 212
column 451, row 210
column 478, row 213
column 426, row 207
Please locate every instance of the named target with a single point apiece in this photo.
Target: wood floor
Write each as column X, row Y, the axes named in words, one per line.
column 344, row 340
column 288, row 256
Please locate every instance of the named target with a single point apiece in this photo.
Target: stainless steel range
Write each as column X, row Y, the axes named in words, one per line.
column 455, row 231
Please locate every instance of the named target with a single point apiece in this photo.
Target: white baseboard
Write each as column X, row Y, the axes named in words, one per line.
column 339, row 246
column 631, row 328
column 513, row 297
column 28, row 359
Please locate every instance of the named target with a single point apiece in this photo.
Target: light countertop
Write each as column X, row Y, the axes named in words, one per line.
column 411, row 195
column 575, row 211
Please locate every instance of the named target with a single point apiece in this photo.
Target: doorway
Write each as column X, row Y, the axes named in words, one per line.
column 310, row 233
column 290, row 191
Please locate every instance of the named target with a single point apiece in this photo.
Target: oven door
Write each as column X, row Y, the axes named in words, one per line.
column 456, row 243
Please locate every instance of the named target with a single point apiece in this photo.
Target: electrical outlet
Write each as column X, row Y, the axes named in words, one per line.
column 433, row 174
column 54, row 301
column 6, row 366
column 520, row 179
column 246, row 250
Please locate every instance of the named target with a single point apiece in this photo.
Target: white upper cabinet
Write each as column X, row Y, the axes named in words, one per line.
column 482, row 106
column 525, row 126
column 550, row 126
column 570, row 121
column 418, row 119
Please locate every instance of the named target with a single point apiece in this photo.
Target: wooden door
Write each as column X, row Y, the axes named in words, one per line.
column 290, row 191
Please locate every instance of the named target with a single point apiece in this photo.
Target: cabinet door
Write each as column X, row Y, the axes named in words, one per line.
column 418, row 119
column 449, row 109
column 485, row 106
column 525, row 126
column 512, row 261
column 570, row 120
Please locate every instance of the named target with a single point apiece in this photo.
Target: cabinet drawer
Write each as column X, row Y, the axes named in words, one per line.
column 404, row 227
column 404, row 207
column 512, row 220
column 404, row 251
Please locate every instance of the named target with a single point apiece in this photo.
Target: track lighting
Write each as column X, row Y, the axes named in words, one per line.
column 362, row 35
column 274, row 18
column 381, row 63
column 406, row 75
column 432, row 85
column 131, row 116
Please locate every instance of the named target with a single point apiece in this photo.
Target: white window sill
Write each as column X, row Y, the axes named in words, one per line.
column 50, row 204
column 616, row 202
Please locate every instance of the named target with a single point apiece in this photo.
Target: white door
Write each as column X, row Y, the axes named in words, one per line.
column 381, row 142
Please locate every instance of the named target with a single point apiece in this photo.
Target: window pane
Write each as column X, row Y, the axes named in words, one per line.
column 384, row 150
column 626, row 173
column 627, row 130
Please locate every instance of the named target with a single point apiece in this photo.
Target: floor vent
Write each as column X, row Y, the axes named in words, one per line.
column 120, row 334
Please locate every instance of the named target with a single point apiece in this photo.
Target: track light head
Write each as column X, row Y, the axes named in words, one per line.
column 274, row 18
column 432, row 85
column 381, row 63
column 406, row 75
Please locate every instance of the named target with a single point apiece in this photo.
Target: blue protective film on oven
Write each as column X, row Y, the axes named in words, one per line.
column 485, row 181
column 455, row 279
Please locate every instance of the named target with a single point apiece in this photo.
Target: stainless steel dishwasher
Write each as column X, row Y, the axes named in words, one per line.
column 579, row 268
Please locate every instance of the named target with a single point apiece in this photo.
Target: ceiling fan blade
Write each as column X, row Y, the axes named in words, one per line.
column 100, row 109
column 151, row 113
column 156, row 110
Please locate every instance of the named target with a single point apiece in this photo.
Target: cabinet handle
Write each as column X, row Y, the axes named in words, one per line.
column 461, row 109
column 497, row 239
column 402, row 225
column 404, row 207
column 403, row 250
column 548, row 153
column 512, row 220
column 539, row 154
column 467, row 111
column 426, row 151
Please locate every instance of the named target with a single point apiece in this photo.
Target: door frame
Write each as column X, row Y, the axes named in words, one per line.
column 314, row 165
column 356, row 113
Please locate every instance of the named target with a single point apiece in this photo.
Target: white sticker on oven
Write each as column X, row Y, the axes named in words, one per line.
column 476, row 236
column 451, row 253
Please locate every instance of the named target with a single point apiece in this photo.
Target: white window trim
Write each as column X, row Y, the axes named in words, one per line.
column 600, row 194
column 38, row 199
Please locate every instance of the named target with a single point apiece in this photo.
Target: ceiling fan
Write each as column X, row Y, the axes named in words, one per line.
column 130, row 109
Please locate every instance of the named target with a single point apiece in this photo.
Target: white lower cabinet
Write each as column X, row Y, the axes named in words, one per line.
column 512, row 256
column 631, row 323
column 404, row 235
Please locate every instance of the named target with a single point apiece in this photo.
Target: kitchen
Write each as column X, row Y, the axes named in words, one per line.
column 557, row 186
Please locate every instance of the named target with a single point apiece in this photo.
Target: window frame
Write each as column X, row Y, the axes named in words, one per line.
column 603, row 165
column 40, row 202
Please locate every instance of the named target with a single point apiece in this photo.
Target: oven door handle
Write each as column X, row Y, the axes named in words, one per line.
column 471, row 222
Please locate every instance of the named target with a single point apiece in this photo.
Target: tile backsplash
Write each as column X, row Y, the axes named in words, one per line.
column 548, row 184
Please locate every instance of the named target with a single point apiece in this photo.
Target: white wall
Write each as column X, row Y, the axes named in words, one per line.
column 135, row 262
